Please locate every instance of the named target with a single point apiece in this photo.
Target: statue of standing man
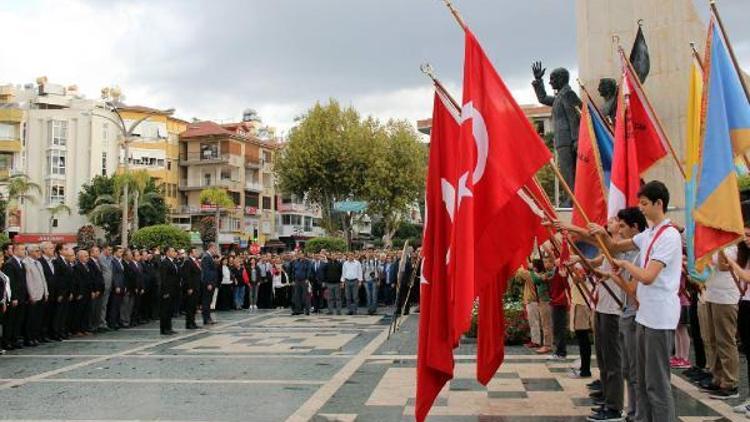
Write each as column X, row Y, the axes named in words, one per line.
column 565, row 118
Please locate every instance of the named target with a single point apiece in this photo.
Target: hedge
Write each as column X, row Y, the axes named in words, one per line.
column 331, row 244
column 161, row 235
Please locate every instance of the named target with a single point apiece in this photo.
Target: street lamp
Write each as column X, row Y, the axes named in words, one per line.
column 126, row 134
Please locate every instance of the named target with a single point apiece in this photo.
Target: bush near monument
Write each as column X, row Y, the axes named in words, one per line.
column 330, row 244
column 86, row 237
column 161, row 235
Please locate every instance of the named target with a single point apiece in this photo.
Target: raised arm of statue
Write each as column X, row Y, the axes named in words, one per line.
column 538, row 84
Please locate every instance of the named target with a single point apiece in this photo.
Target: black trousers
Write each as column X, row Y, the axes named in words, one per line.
column 79, row 317
column 191, row 304
column 317, row 296
column 13, row 323
column 47, row 313
column 206, row 298
column 584, row 346
column 113, row 309
column 165, row 315
column 300, row 298
column 60, row 318
column 743, row 326
column 695, row 332
column 34, row 317
column 560, row 329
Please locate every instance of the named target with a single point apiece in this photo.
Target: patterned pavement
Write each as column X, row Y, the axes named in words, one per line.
column 269, row 366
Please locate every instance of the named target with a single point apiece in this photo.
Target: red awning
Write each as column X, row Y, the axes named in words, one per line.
column 45, row 237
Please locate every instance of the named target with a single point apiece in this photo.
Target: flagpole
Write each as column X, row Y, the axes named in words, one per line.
column 697, row 57
column 586, row 296
column 455, row 14
column 584, row 260
column 591, row 101
column 427, row 69
column 737, row 68
column 653, row 113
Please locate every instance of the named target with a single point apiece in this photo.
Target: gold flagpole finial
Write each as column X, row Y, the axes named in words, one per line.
column 640, row 22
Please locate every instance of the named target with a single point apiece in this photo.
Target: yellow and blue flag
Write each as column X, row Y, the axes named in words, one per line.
column 726, row 134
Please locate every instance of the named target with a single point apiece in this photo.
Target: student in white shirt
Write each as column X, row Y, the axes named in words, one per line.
column 658, row 275
column 743, row 317
column 351, row 274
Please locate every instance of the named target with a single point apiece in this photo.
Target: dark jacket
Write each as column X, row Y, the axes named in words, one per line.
column 209, row 272
column 49, row 277
column 332, row 272
column 133, row 277
column 16, row 272
column 170, row 278
column 118, row 274
column 82, row 280
column 301, row 269
column 63, row 277
column 97, row 277
column 191, row 276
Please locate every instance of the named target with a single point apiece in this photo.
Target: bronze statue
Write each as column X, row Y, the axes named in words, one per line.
column 608, row 91
column 565, row 117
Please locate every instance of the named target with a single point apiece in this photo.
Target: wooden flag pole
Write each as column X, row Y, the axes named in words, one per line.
column 427, row 69
column 737, row 68
column 584, row 260
column 653, row 113
column 455, row 14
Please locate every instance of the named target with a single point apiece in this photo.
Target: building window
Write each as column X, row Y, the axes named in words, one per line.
column 266, row 157
column 226, row 175
column 308, row 224
column 251, row 200
column 207, row 179
column 8, row 131
column 104, row 164
column 169, row 164
column 539, row 126
column 56, row 162
column 266, row 202
column 209, row 151
column 105, row 136
column 56, row 194
column 54, row 223
column 58, row 133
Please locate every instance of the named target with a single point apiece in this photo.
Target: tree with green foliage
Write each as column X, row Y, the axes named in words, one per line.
column 326, row 158
column 396, row 175
column 161, row 235
column 20, row 188
column 219, row 199
column 330, row 244
column 100, row 199
column 207, row 229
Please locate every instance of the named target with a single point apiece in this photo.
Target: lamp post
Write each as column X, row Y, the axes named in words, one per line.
column 126, row 133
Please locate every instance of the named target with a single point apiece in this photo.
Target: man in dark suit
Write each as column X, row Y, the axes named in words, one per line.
column 47, row 260
column 170, row 280
column 118, row 290
column 15, row 315
column 317, row 276
column 83, row 291
column 63, row 292
column 97, row 284
column 209, row 281
column 191, row 285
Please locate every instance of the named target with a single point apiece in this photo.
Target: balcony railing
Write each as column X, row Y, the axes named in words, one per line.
column 253, row 186
column 203, row 158
column 202, row 184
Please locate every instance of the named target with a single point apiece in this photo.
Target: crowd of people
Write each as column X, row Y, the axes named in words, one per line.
column 50, row 293
column 643, row 308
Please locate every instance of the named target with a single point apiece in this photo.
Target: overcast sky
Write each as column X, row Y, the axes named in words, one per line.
column 212, row 59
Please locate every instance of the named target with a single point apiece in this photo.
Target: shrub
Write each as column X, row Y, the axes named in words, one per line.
column 331, row 244
column 161, row 235
column 516, row 324
column 86, row 237
column 4, row 240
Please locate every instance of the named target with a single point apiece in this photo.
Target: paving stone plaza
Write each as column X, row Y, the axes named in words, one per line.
column 269, row 366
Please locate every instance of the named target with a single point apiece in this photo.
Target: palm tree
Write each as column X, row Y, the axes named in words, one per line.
column 137, row 181
column 105, row 204
column 54, row 210
column 20, row 189
column 219, row 198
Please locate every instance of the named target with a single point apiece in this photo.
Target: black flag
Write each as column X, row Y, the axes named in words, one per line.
column 639, row 55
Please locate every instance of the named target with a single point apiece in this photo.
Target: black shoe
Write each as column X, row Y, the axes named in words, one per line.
column 709, row 387
column 191, row 327
column 607, row 415
column 171, row 332
column 725, row 394
column 595, row 385
column 307, row 313
column 596, row 395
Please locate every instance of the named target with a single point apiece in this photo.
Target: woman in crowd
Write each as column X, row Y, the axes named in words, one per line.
column 240, row 279
column 681, row 358
column 280, row 287
column 265, row 288
column 254, row 279
column 224, row 301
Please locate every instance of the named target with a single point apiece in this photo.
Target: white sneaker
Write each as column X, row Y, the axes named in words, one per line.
column 742, row 408
column 555, row 357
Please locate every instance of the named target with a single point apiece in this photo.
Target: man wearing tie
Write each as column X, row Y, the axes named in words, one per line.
column 63, row 291
column 15, row 315
column 83, row 291
column 191, row 284
column 47, row 262
column 98, row 287
column 118, row 290
column 169, row 286
column 209, row 280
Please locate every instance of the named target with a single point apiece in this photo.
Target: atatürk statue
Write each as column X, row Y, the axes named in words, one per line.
column 565, row 118
column 608, row 91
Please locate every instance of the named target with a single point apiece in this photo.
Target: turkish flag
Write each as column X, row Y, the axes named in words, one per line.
column 499, row 152
column 436, row 339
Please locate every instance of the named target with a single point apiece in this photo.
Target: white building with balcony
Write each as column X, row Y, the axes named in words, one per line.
column 297, row 220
